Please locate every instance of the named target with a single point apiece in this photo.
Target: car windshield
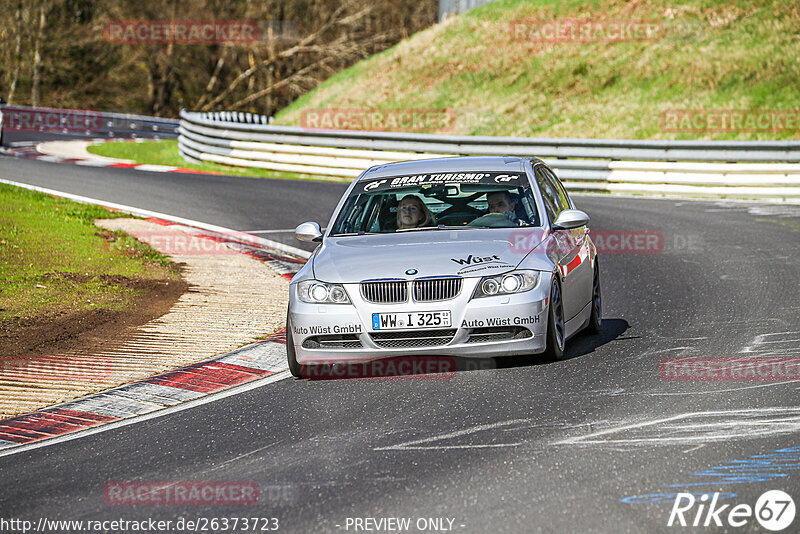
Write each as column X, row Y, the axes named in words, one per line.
column 465, row 200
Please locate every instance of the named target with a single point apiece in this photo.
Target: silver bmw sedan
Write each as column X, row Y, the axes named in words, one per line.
column 465, row 256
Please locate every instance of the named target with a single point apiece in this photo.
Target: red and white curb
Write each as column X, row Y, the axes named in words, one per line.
column 31, row 150
column 241, row 366
column 171, row 390
column 246, row 244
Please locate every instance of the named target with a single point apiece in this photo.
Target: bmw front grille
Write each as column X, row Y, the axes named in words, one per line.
column 424, row 290
column 385, row 291
column 433, row 289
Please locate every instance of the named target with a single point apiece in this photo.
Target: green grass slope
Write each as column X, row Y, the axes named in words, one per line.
column 55, row 262
column 489, row 71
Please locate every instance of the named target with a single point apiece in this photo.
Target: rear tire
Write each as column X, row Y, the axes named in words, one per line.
column 294, row 367
column 596, row 319
column 554, row 350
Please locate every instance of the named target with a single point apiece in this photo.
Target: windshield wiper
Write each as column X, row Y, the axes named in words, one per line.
column 350, row 234
column 419, row 229
column 440, row 227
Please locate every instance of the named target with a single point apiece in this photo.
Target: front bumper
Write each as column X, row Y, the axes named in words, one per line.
column 476, row 325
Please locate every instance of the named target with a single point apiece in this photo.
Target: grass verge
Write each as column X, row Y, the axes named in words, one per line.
column 165, row 152
column 55, row 265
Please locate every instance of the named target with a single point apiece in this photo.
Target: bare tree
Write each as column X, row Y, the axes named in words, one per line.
column 17, row 59
column 73, row 63
column 37, row 54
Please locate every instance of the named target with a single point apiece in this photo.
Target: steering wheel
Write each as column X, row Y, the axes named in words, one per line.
column 457, row 217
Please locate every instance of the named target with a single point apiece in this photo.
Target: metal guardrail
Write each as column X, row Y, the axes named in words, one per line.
column 745, row 169
column 86, row 122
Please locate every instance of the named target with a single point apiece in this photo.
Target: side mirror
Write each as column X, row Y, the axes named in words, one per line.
column 308, row 231
column 569, row 219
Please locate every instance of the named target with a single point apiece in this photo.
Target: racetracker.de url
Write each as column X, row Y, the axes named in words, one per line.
column 143, row 526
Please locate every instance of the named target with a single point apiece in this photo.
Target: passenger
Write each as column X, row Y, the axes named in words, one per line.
column 413, row 213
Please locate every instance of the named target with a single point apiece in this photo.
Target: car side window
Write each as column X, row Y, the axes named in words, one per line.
column 360, row 215
column 562, row 194
column 563, row 197
column 552, row 203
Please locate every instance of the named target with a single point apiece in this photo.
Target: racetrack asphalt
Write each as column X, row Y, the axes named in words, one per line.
column 517, row 447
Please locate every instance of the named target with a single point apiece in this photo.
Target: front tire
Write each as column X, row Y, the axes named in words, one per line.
column 554, row 350
column 294, row 367
column 596, row 320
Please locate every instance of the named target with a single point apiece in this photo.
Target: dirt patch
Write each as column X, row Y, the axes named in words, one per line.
column 149, row 325
column 74, row 330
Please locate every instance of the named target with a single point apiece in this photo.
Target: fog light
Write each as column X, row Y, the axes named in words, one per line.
column 311, row 344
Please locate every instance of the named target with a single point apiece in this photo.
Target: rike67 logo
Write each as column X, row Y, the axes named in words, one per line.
column 774, row 510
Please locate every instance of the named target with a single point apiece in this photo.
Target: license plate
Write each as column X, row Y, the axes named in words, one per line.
column 400, row 321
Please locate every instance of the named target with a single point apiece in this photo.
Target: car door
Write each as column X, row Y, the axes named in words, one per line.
column 572, row 246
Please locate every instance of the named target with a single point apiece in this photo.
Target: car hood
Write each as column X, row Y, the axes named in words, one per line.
column 409, row 255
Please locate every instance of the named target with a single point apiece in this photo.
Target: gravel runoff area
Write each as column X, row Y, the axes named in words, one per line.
column 233, row 300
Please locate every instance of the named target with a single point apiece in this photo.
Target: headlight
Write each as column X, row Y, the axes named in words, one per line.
column 316, row 292
column 506, row 284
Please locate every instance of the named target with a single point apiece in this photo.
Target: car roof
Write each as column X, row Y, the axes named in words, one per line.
column 452, row 164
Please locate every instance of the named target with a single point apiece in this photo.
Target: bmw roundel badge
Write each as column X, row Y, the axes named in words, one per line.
column 412, row 271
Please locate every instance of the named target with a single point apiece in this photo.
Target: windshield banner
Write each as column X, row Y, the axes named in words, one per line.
column 418, row 180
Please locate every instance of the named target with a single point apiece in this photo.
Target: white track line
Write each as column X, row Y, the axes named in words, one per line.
column 592, row 438
column 417, row 443
column 180, row 220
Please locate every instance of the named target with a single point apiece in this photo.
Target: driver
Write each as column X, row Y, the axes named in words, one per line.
column 502, row 212
column 413, row 213
column 501, row 202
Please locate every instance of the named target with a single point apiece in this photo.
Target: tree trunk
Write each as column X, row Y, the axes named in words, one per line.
column 17, row 53
column 37, row 58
